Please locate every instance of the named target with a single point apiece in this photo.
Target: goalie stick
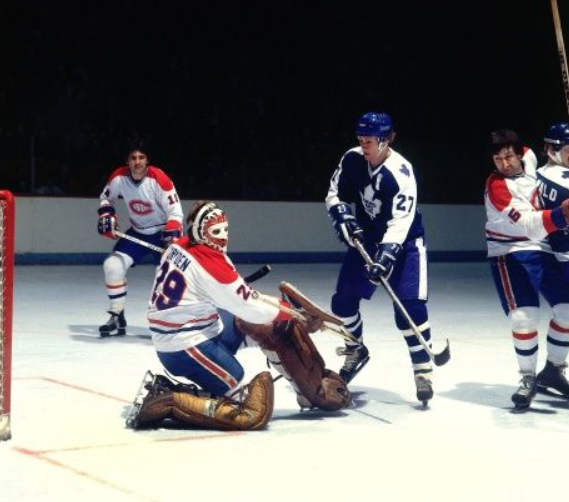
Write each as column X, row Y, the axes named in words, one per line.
column 439, row 359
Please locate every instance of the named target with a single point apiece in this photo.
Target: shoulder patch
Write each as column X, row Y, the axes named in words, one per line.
column 214, row 262
column 120, row 171
column 161, row 178
column 498, row 192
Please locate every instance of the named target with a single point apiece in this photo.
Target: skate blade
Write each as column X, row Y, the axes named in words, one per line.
column 553, row 393
column 143, row 389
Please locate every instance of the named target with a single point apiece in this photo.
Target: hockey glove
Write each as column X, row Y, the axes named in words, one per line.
column 172, row 231
column 107, row 222
column 560, row 215
column 384, row 262
column 345, row 224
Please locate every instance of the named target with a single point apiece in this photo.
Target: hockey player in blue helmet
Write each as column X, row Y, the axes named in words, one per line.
column 380, row 184
column 553, row 186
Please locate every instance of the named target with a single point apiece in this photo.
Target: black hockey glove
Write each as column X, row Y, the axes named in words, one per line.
column 171, row 232
column 345, row 224
column 384, row 262
column 107, row 223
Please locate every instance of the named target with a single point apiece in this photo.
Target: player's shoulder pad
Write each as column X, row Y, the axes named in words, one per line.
column 498, row 192
column 164, row 182
column 119, row 171
column 215, row 263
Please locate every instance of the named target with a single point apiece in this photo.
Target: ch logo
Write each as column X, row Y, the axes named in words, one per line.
column 140, row 207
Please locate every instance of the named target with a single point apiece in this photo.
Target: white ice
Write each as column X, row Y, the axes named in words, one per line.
column 71, row 391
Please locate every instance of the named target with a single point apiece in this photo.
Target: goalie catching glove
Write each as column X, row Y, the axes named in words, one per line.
column 292, row 353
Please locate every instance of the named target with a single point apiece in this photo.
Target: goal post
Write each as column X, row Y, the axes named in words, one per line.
column 7, row 214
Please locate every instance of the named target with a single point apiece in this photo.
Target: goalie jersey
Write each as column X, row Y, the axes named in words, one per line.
column 514, row 219
column 385, row 197
column 151, row 202
column 192, row 282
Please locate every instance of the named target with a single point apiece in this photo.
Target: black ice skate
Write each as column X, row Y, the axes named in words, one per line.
column 527, row 390
column 424, row 386
column 552, row 380
column 115, row 326
column 151, row 386
column 356, row 358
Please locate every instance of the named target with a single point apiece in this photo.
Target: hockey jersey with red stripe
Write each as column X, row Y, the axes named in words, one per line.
column 192, row 283
column 514, row 219
column 152, row 202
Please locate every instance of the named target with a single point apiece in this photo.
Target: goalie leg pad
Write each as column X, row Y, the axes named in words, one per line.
column 301, row 363
column 252, row 413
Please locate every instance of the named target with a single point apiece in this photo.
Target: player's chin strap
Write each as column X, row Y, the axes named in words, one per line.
column 439, row 359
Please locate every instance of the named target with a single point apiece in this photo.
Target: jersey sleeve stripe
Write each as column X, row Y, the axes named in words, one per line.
column 548, row 221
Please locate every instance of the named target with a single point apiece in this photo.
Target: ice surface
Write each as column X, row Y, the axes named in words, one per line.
column 71, row 392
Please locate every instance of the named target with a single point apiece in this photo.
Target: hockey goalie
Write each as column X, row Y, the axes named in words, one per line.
column 200, row 311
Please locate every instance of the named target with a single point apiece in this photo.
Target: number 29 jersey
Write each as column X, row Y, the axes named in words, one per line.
column 191, row 284
column 514, row 219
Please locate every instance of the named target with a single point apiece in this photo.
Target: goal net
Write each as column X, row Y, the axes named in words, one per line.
column 6, row 287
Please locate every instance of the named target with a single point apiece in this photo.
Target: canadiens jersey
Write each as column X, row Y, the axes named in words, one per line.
column 553, row 186
column 385, row 197
column 151, row 202
column 514, row 221
column 192, row 283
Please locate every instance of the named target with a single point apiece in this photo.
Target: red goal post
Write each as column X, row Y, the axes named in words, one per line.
column 7, row 215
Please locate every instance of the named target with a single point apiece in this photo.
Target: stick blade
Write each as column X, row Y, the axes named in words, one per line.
column 443, row 357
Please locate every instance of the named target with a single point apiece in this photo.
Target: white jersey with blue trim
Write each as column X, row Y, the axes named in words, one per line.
column 553, row 186
column 192, row 283
column 151, row 202
column 385, row 197
column 514, row 219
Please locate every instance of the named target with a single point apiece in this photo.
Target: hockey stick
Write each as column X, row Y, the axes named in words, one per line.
column 439, row 359
column 259, row 274
column 140, row 242
column 561, row 48
column 255, row 276
column 339, row 330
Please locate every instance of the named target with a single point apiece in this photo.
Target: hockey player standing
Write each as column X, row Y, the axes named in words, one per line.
column 380, row 183
column 553, row 186
column 155, row 215
column 521, row 261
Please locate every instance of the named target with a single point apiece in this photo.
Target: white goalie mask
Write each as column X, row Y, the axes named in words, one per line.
column 210, row 227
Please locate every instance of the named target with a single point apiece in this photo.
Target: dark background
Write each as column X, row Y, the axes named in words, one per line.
column 258, row 100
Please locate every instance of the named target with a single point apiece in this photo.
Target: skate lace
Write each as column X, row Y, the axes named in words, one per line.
column 422, row 383
column 527, row 381
column 353, row 356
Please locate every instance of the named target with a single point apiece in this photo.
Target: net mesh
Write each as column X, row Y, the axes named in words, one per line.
column 4, row 312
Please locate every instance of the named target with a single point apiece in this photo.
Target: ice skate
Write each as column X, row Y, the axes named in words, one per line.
column 423, row 381
column 527, row 390
column 115, row 326
column 552, row 380
column 356, row 358
column 149, row 387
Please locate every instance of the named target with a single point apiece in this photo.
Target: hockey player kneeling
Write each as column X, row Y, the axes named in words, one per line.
column 292, row 353
column 250, row 410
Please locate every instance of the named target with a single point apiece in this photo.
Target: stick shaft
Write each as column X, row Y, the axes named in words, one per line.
column 396, row 301
column 561, row 49
column 140, row 242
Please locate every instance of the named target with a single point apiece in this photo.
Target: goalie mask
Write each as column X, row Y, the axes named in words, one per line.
column 210, row 227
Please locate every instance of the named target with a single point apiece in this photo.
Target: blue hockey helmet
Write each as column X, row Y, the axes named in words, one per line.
column 375, row 124
column 557, row 136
